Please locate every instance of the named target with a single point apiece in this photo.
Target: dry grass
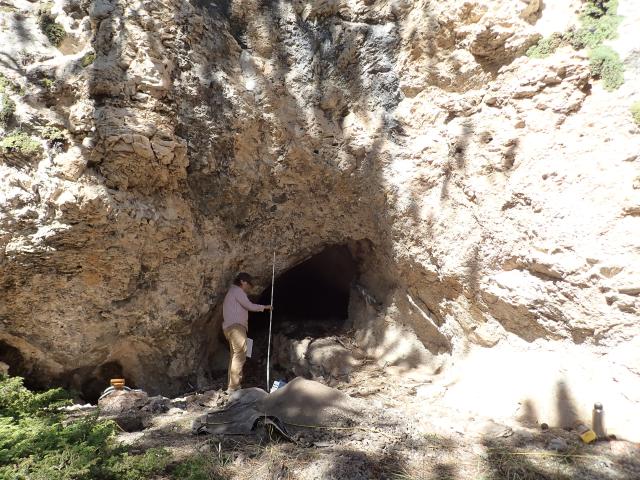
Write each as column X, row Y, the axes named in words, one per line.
column 503, row 463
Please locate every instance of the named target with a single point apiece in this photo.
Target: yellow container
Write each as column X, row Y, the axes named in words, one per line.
column 586, row 434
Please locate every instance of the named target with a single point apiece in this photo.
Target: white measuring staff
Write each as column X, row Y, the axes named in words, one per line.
column 273, row 281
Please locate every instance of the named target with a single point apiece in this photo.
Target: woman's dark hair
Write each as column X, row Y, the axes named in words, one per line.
column 243, row 276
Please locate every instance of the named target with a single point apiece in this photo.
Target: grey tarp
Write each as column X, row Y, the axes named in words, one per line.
column 237, row 418
column 299, row 403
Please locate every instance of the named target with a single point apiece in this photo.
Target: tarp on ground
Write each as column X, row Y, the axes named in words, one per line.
column 300, row 403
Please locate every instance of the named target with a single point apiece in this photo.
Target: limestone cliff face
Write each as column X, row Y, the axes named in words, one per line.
column 487, row 196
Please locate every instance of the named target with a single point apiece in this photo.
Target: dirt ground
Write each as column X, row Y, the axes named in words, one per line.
column 401, row 431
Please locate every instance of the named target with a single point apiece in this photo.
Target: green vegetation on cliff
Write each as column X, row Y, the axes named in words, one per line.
column 7, row 108
column 546, row 46
column 20, row 142
column 52, row 29
column 88, row 59
column 635, row 112
column 53, row 135
column 606, row 65
column 47, row 83
column 6, row 84
column 599, row 21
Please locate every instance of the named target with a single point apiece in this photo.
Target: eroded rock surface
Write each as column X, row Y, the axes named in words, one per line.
column 487, row 197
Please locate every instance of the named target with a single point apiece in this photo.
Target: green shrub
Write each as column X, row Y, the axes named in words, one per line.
column 37, row 443
column 599, row 22
column 54, row 135
column 20, row 142
column 48, row 25
column 198, row 467
column 592, row 36
column 137, row 467
column 546, row 46
column 47, row 83
column 606, row 65
column 635, row 112
column 88, row 59
column 16, row 401
column 44, row 447
column 7, row 108
column 4, row 83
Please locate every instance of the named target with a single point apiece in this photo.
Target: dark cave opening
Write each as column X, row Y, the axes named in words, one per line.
column 97, row 381
column 314, row 292
column 14, row 359
column 86, row 383
column 311, row 299
column 21, row 365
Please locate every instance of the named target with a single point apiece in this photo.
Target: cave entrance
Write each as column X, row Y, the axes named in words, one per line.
column 311, row 299
column 21, row 366
column 11, row 356
column 313, row 295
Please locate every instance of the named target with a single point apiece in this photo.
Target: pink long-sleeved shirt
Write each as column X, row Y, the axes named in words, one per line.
column 236, row 308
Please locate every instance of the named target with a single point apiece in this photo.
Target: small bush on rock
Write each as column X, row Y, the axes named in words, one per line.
column 635, row 112
column 88, row 59
column 599, row 22
column 606, row 65
column 47, row 83
column 54, row 135
column 7, row 108
column 20, row 142
column 52, row 30
column 4, row 83
column 546, row 46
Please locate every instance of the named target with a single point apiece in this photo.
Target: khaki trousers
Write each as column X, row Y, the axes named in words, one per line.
column 236, row 335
